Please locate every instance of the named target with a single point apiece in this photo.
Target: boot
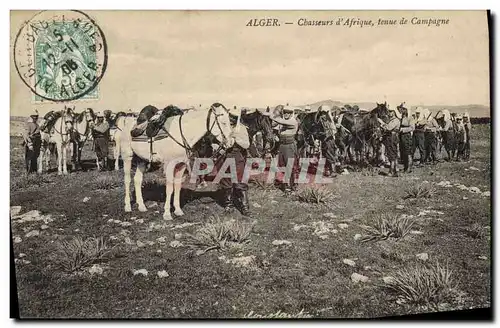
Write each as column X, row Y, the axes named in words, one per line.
column 245, row 206
column 227, row 200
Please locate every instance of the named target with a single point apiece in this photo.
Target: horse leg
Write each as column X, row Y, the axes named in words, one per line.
column 117, row 152
column 169, row 187
column 59, row 158
column 177, row 191
column 127, row 168
column 139, row 173
column 65, row 159
column 39, row 161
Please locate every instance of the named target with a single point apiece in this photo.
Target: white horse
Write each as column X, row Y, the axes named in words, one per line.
column 184, row 132
column 83, row 128
column 60, row 135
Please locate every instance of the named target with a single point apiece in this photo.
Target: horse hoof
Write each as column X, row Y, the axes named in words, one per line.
column 128, row 208
column 179, row 213
column 142, row 208
column 167, row 217
column 59, row 173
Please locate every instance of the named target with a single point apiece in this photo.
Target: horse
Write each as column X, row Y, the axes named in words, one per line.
column 363, row 132
column 117, row 125
column 60, row 135
column 82, row 130
column 172, row 152
column 308, row 135
column 260, row 132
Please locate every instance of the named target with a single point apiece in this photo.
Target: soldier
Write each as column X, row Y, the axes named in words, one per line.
column 328, row 139
column 288, row 146
column 100, row 132
column 236, row 192
column 460, row 137
column 307, row 109
column 390, row 140
column 419, row 135
column 431, row 130
column 468, row 130
column 32, row 142
column 405, row 139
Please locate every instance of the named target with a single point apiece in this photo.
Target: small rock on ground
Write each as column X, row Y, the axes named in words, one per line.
column 144, row 272
column 482, row 257
column 17, row 240
column 96, row 269
column 422, row 256
column 175, row 244
column 86, row 199
column 349, row 262
column 15, row 210
column 162, row 274
column 388, row 279
column 357, row 236
column 44, row 226
column 281, row 242
column 400, row 207
column 32, row 233
column 343, row 225
column 356, row 277
column 329, row 215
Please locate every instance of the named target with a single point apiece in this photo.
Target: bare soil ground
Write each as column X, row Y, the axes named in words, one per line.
column 292, row 265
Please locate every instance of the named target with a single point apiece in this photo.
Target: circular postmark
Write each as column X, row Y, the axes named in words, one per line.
column 61, row 55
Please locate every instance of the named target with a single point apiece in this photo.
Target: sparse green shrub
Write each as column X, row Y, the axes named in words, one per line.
column 220, row 234
column 76, row 253
column 429, row 284
column 424, row 190
column 315, row 195
column 476, row 231
column 388, row 226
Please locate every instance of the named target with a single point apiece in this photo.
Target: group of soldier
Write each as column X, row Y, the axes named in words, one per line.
column 33, row 140
column 402, row 130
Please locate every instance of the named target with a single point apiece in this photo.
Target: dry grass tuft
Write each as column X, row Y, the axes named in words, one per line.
column 388, row 226
column 315, row 195
column 425, row 190
column 262, row 184
column 429, row 284
column 220, row 234
column 76, row 253
column 476, row 231
column 30, row 180
column 104, row 182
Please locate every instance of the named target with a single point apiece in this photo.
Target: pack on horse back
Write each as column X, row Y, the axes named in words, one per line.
column 49, row 120
column 151, row 120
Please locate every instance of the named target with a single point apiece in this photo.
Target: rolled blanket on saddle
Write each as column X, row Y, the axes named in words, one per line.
column 151, row 120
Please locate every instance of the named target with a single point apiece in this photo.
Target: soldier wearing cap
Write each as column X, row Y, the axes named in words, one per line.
column 236, row 193
column 33, row 142
column 100, row 133
column 419, row 134
column 406, row 139
column 390, row 139
column 288, row 127
column 468, row 130
column 328, row 138
column 431, row 130
column 460, row 137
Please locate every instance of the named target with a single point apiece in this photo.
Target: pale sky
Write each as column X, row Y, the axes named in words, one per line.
column 191, row 58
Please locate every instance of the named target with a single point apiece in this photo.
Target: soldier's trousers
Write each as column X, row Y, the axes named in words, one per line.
column 288, row 152
column 236, row 154
column 101, row 148
column 328, row 152
column 430, row 146
column 419, row 142
column 31, row 156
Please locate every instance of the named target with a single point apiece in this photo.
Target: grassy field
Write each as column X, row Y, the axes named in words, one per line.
column 293, row 259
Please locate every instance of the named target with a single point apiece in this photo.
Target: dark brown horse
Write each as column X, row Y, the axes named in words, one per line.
column 360, row 131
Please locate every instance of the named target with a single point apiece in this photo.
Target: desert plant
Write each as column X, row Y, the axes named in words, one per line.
column 76, row 253
column 219, row 234
column 424, row 190
column 315, row 195
column 30, row 180
column 429, row 284
column 104, row 182
column 476, row 231
column 388, row 226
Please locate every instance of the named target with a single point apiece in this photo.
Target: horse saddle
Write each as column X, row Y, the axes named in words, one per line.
column 49, row 120
column 152, row 120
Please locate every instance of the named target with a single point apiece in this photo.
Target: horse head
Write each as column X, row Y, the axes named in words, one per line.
column 219, row 124
column 381, row 112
